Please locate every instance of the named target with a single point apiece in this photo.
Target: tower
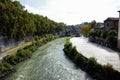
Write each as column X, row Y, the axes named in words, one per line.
column 118, row 44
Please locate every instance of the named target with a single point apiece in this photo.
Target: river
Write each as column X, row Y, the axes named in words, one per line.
column 49, row 63
column 102, row 54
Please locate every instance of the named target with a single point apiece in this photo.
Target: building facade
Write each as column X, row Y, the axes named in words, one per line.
column 111, row 24
column 118, row 44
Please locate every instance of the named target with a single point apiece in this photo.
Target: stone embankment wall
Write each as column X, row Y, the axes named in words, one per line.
column 6, row 44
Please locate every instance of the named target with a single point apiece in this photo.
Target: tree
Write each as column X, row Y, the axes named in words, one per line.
column 16, row 23
column 93, row 24
column 85, row 30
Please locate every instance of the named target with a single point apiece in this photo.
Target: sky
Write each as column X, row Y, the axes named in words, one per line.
column 74, row 11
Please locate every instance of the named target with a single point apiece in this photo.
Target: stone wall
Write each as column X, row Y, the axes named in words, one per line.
column 6, row 44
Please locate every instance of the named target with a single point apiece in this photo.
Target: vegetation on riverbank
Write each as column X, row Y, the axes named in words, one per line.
column 87, row 27
column 17, row 23
column 8, row 63
column 106, row 38
column 90, row 65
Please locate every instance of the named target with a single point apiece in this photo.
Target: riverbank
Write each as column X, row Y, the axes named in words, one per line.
column 8, row 63
column 90, row 65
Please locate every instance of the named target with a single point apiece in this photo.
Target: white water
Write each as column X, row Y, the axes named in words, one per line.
column 102, row 54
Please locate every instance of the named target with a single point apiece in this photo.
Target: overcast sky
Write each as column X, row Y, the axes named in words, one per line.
column 74, row 11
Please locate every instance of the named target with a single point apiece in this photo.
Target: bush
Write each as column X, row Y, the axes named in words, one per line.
column 108, row 38
column 92, row 66
column 68, row 43
column 39, row 43
column 73, row 51
column 5, row 67
column 80, row 59
column 23, row 53
column 32, row 48
column 11, row 59
column 109, row 72
column 37, row 38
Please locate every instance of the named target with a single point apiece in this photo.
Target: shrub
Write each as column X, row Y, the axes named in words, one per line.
column 20, row 53
column 12, row 59
column 73, row 50
column 110, row 37
column 68, row 43
column 108, row 71
column 5, row 67
column 37, row 38
column 32, row 48
column 92, row 65
column 39, row 43
column 80, row 59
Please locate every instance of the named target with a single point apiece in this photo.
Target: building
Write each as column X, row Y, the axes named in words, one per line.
column 118, row 44
column 111, row 23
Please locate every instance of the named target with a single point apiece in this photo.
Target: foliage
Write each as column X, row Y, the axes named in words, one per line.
column 32, row 48
column 92, row 65
column 5, row 67
column 11, row 59
column 104, row 34
column 108, row 38
column 94, row 24
column 85, row 30
column 68, row 43
column 17, row 23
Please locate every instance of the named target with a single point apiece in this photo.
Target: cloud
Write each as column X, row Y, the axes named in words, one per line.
column 74, row 11
column 31, row 9
column 34, row 3
column 117, row 3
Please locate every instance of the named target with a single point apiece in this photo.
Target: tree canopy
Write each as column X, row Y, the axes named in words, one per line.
column 16, row 22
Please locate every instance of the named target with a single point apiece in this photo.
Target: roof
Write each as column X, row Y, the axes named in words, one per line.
column 112, row 18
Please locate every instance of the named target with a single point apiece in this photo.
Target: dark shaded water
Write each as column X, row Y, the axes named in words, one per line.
column 49, row 63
